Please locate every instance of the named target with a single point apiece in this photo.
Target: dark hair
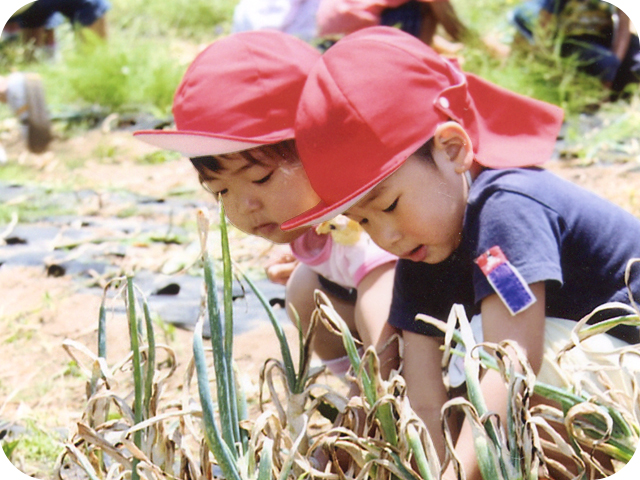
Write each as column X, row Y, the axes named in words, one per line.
column 425, row 152
column 284, row 151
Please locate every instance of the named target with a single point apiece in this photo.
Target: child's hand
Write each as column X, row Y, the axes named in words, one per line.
column 280, row 269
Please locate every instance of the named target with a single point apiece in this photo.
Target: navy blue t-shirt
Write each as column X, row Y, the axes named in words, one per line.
column 550, row 230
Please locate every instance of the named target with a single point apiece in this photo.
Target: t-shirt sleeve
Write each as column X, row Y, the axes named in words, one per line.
column 373, row 257
column 431, row 290
column 528, row 233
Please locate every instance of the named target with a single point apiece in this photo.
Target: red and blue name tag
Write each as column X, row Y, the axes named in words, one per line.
column 505, row 279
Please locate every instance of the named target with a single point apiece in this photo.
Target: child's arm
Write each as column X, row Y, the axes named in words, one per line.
column 371, row 313
column 527, row 329
column 422, row 372
column 279, row 270
column 445, row 15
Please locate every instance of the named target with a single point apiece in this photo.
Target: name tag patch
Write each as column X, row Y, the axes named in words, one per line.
column 505, row 279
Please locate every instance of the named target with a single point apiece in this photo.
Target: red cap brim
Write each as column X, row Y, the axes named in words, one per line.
column 322, row 211
column 194, row 144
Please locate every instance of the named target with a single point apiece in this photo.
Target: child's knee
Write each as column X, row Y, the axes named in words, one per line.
column 299, row 293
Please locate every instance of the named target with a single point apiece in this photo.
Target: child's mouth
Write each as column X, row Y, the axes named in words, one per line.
column 265, row 229
column 418, row 254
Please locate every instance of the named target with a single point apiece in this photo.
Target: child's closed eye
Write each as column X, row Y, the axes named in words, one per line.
column 392, row 207
column 264, row 179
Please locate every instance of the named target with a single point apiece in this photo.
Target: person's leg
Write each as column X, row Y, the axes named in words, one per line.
column 91, row 14
column 3, row 89
column 34, row 37
column 629, row 70
column 593, row 58
column 24, row 93
column 372, row 311
column 299, row 294
column 36, row 25
column 99, row 27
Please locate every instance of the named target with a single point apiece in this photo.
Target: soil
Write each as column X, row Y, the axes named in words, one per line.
column 39, row 385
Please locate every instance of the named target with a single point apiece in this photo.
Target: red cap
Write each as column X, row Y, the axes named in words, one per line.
column 240, row 92
column 378, row 95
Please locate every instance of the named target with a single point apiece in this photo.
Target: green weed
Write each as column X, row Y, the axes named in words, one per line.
column 186, row 18
column 33, row 208
column 122, row 74
column 15, row 174
column 158, row 157
column 8, row 447
column 72, row 370
column 611, row 137
column 37, row 445
column 127, row 212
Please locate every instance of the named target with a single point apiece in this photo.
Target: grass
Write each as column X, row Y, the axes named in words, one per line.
column 200, row 20
column 140, row 65
column 538, row 72
column 616, row 138
column 34, row 206
column 121, row 75
column 158, row 157
column 32, row 212
column 150, row 45
column 36, row 446
column 15, row 173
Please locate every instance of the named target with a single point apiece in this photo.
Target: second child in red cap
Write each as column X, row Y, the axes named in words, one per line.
column 439, row 167
column 234, row 112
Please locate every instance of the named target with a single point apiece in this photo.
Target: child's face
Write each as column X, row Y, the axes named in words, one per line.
column 259, row 197
column 417, row 212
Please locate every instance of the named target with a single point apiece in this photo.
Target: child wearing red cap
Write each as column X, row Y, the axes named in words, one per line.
column 234, row 112
column 439, row 167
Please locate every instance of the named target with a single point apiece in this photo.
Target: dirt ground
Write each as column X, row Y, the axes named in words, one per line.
column 38, row 382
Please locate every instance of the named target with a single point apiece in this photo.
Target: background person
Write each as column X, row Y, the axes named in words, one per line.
column 37, row 21
column 598, row 34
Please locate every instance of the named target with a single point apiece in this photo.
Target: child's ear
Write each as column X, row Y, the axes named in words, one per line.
column 452, row 139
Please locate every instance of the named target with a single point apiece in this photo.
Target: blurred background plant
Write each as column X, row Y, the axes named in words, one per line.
column 150, row 45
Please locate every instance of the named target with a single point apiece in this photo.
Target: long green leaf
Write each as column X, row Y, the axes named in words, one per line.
column 151, row 359
column 102, row 330
column 137, row 370
column 282, row 339
column 419, row 455
column 566, row 399
column 226, row 406
column 224, row 455
column 266, row 460
column 384, row 413
column 227, row 287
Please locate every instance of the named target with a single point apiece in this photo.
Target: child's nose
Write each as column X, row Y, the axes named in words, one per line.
column 249, row 203
column 388, row 237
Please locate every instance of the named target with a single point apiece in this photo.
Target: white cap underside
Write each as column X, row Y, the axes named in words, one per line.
column 194, row 145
